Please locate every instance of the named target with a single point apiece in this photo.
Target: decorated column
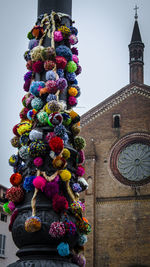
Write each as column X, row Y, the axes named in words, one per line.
column 47, row 223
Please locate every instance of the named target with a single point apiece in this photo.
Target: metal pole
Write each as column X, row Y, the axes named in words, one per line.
column 63, row 6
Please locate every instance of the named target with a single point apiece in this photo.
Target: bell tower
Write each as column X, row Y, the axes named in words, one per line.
column 136, row 53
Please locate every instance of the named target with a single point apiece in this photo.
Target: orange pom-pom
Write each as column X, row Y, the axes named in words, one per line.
column 16, row 178
column 72, row 91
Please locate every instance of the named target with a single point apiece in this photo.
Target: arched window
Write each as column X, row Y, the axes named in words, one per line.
column 116, row 121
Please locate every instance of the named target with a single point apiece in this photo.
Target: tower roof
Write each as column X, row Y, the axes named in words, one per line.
column 136, row 36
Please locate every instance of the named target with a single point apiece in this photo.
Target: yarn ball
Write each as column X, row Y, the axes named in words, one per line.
column 6, row 209
column 47, row 109
column 23, row 152
column 30, row 36
column 65, row 175
column 59, row 162
column 81, row 157
column 51, row 188
column 61, row 62
column 15, row 130
column 38, row 66
column 24, row 139
column 75, row 59
column 51, row 97
column 28, row 183
column 23, row 127
column 49, row 65
column 11, row 205
column 83, row 183
column 48, row 53
column 50, row 75
column 72, row 91
column 55, row 118
column 74, row 51
column 16, row 178
column 37, row 31
column 35, row 87
column 60, row 73
column 54, row 106
column 76, row 207
column 71, row 66
column 39, row 182
column 63, row 249
column 56, row 144
column 51, row 86
column 79, row 259
column 31, row 114
column 66, row 153
column 60, row 203
column 72, row 101
column 73, row 30
column 76, row 187
column 36, row 53
column 73, row 39
column 23, row 113
column 79, row 142
column 60, row 130
column 57, row 230
column 64, row 51
column 66, row 119
column 75, row 129
column 28, row 76
column 80, row 170
column 15, row 141
column 26, row 100
column 58, row 37
column 79, row 70
column 15, row 194
column 64, row 29
column 74, row 116
column 35, row 134
column 27, row 55
column 37, row 103
column 70, row 227
column 70, row 76
column 42, row 117
column 83, row 226
column 26, row 85
column 13, row 160
column 29, row 65
column 33, row 43
column 33, row 224
column 37, row 148
column 61, row 84
column 38, row 161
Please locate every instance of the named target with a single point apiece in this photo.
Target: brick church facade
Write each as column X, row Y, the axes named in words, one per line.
column 117, row 133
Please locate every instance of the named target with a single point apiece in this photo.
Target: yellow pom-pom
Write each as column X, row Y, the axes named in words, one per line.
column 66, row 153
column 65, row 30
column 73, row 114
column 47, row 109
column 65, row 175
column 24, row 127
column 72, row 91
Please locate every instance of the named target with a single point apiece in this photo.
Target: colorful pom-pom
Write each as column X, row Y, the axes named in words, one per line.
column 37, row 103
column 51, row 86
column 13, row 160
column 63, row 249
column 49, row 65
column 23, row 127
column 33, row 43
column 36, row 134
column 15, row 194
column 28, row 183
column 79, row 142
column 35, row 87
column 33, row 224
column 15, row 141
column 50, row 75
column 58, row 37
column 42, row 117
column 70, row 76
column 61, row 62
column 39, row 182
column 60, row 203
column 38, row 161
column 61, row 84
column 16, row 178
column 36, row 53
column 38, row 66
column 59, row 162
column 11, row 206
column 65, row 175
column 76, row 187
column 72, row 101
column 37, row 148
column 72, row 91
column 80, row 170
column 57, row 230
column 73, row 39
column 64, row 51
column 55, row 118
column 37, row 31
column 52, row 188
column 66, row 153
column 23, row 152
column 66, row 119
column 70, row 227
column 31, row 114
column 71, row 66
column 56, row 144
column 51, row 97
column 6, row 209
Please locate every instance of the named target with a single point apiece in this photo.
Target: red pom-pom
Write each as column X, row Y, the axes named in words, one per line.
column 29, row 65
column 23, row 113
column 49, row 65
column 38, row 161
column 16, row 178
column 61, row 62
column 60, row 203
column 15, row 130
column 80, row 170
column 72, row 101
column 51, row 86
column 15, row 194
column 38, row 66
column 56, row 144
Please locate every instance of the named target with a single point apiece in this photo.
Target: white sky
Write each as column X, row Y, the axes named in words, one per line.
column 105, row 29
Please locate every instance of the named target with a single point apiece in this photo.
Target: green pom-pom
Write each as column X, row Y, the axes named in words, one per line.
column 6, row 208
column 79, row 142
column 30, row 36
column 71, row 66
column 42, row 117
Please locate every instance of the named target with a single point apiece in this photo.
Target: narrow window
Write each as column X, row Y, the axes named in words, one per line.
column 2, row 245
column 116, row 121
column 3, row 217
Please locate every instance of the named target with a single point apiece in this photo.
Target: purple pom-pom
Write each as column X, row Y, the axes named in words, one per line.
column 60, row 73
column 28, row 76
column 61, row 84
column 70, row 76
column 64, row 51
column 51, row 188
column 32, row 43
column 74, row 51
column 79, row 70
column 76, row 187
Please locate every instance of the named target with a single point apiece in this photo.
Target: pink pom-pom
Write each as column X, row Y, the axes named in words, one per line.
column 49, row 65
column 38, row 161
column 51, row 86
column 11, row 205
column 73, row 39
column 81, row 157
column 26, row 85
column 57, row 229
column 75, row 59
column 72, row 100
column 39, row 182
column 58, row 37
column 38, row 66
column 80, row 170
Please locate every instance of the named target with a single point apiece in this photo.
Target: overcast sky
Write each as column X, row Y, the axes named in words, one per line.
column 105, row 29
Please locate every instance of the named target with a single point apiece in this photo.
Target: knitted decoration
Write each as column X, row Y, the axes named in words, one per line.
column 16, row 178
column 65, row 175
column 37, row 148
column 42, row 117
column 60, row 203
column 15, row 194
column 64, row 51
column 80, row 170
column 28, row 183
column 71, row 66
column 35, row 134
column 63, row 249
column 56, row 144
column 55, row 118
column 70, row 227
column 15, row 141
column 76, row 207
column 24, row 152
column 38, row 66
column 6, row 209
column 13, row 160
column 79, row 142
column 49, row 65
column 61, row 62
column 33, row 224
column 51, row 188
column 38, row 161
column 57, row 230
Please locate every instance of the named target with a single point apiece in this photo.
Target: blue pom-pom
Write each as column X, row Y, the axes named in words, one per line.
column 74, row 82
column 51, row 97
column 28, row 183
column 37, row 103
column 50, row 75
column 73, row 30
column 70, row 76
column 27, row 55
column 28, row 76
column 60, row 73
column 35, row 87
column 63, row 249
column 60, row 130
column 13, row 160
column 76, row 187
column 64, row 51
column 32, row 43
column 82, row 240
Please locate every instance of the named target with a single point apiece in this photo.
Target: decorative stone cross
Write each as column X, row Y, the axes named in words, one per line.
column 136, row 15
